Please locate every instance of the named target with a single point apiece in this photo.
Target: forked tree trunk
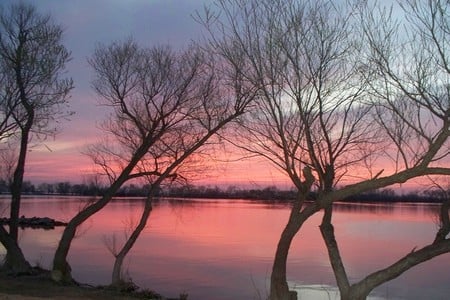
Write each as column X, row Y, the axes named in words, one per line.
column 117, row 279
column 15, row 260
column 61, row 271
column 347, row 292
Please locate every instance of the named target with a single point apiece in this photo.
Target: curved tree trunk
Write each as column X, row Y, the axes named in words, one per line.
column 15, row 260
column 279, row 289
column 410, row 260
column 61, row 269
column 120, row 257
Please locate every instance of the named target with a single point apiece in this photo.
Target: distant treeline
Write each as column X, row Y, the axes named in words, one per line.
column 214, row 192
column 273, row 193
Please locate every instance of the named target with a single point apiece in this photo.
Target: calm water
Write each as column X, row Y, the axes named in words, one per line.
column 224, row 249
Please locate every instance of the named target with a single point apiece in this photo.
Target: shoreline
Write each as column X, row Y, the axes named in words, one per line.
column 40, row 286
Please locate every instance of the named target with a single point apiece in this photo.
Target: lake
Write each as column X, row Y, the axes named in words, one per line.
column 223, row 249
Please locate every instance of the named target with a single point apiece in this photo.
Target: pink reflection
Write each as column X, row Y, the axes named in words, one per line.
column 225, row 248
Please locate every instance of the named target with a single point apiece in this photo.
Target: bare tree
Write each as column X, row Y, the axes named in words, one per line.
column 322, row 112
column 33, row 93
column 166, row 105
column 8, row 127
column 410, row 83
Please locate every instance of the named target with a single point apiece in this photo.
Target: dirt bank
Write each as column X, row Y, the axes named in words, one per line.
column 37, row 287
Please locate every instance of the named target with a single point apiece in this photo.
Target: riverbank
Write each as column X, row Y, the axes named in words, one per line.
column 40, row 286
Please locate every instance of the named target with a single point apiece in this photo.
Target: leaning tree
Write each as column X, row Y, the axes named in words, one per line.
column 409, row 85
column 33, row 93
column 328, row 113
column 166, row 107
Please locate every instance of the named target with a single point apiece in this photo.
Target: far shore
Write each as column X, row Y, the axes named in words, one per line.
column 271, row 193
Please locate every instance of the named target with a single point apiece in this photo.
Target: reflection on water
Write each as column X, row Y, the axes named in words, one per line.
column 323, row 292
column 223, row 249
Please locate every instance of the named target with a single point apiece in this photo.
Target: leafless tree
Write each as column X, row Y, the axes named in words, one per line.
column 33, row 94
column 326, row 108
column 8, row 127
column 166, row 107
column 410, row 85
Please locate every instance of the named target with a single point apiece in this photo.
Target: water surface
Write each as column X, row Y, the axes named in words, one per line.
column 223, row 249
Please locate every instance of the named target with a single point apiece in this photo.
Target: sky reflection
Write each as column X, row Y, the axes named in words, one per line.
column 224, row 249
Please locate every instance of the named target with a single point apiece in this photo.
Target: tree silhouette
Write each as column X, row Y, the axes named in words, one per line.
column 33, row 95
column 166, row 107
column 330, row 112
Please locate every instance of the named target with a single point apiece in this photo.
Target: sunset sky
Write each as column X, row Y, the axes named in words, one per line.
column 88, row 23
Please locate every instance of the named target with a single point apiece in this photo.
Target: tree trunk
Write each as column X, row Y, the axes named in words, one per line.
column 16, row 185
column 117, row 270
column 327, row 230
column 444, row 218
column 410, row 260
column 356, row 293
column 279, row 289
column 15, row 260
column 361, row 289
column 61, row 269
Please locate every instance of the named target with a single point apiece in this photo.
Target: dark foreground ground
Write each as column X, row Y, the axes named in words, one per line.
column 36, row 287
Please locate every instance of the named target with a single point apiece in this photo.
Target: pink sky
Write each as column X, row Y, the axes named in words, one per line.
column 89, row 22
